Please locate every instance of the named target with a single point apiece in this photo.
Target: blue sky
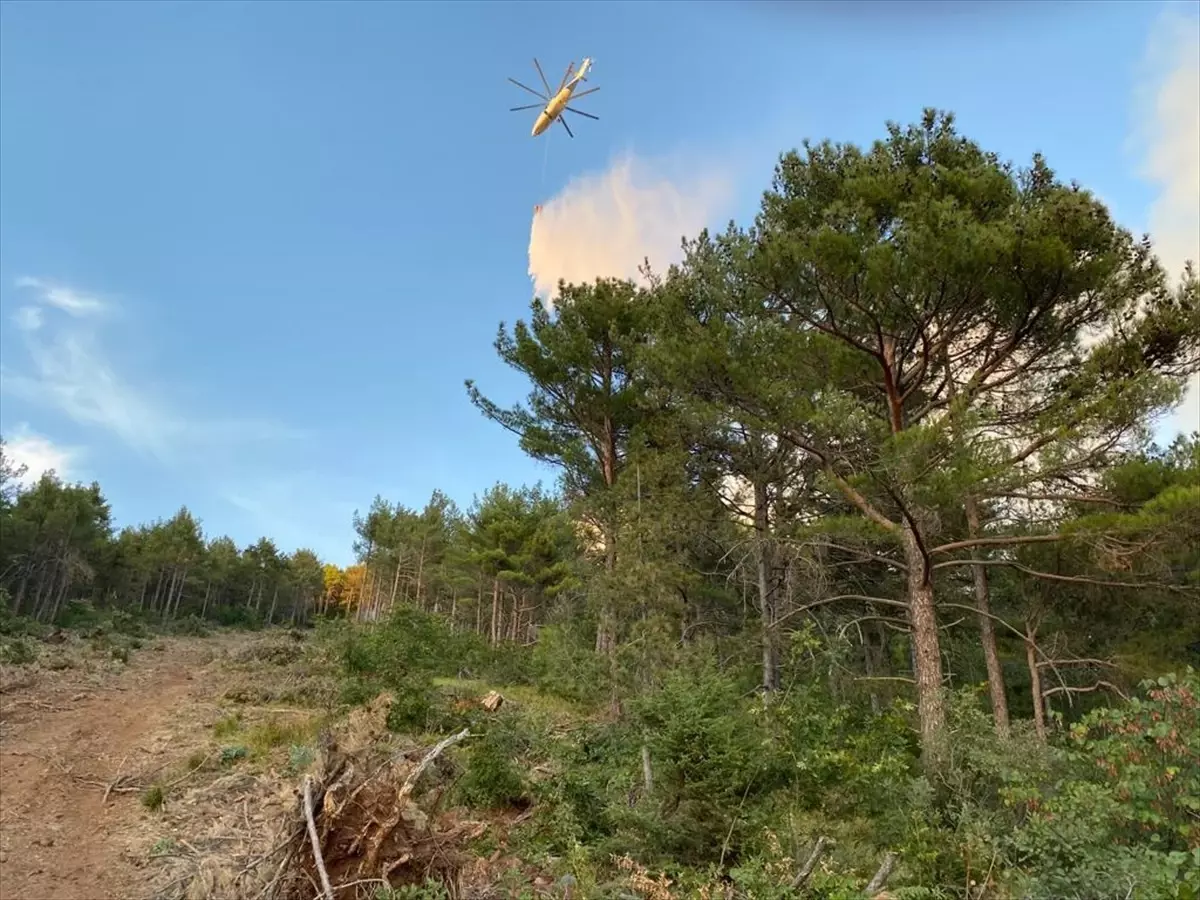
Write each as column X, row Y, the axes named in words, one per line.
column 266, row 242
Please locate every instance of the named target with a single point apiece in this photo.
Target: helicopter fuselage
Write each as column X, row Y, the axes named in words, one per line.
column 554, row 108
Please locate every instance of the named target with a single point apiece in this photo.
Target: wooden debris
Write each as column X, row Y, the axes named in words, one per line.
column 492, row 702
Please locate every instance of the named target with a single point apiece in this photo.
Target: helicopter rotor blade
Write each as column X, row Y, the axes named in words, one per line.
column 531, row 90
column 566, row 126
column 545, row 83
column 578, row 113
column 562, row 84
column 584, row 93
column 530, row 106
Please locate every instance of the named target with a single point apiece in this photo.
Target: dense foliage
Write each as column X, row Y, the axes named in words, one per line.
column 860, row 537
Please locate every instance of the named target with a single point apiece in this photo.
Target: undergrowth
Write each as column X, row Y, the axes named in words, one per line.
column 741, row 787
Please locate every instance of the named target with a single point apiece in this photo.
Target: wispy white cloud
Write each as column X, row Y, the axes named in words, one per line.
column 39, row 455
column 1168, row 128
column 72, row 373
column 606, row 224
column 69, row 300
column 28, row 318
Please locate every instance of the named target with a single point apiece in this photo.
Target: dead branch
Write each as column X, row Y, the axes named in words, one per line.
column 116, row 781
column 1025, row 637
column 863, row 598
column 1069, row 690
column 885, row 872
column 997, row 542
column 312, row 836
column 813, row 858
column 411, row 781
column 288, row 844
column 1080, row 661
column 1070, row 579
column 381, row 883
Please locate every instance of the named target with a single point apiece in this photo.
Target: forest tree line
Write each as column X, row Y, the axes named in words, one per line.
column 489, row 569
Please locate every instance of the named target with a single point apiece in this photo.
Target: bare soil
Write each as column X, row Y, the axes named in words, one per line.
column 79, row 745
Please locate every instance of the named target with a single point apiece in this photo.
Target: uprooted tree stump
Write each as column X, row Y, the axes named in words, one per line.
column 358, row 821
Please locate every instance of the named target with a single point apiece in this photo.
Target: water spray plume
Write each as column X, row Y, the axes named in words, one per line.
column 605, row 224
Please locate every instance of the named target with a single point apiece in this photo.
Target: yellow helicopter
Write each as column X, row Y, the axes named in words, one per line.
column 555, row 102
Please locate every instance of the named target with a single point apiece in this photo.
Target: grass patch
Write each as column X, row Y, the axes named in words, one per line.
column 265, row 737
column 523, row 695
column 228, row 726
column 154, row 798
column 196, row 761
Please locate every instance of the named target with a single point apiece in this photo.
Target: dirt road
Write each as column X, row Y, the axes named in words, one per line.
column 66, row 833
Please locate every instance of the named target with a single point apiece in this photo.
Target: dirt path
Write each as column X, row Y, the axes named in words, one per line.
column 68, row 736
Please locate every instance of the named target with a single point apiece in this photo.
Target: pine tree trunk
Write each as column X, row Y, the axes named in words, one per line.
column 362, row 610
column 515, row 625
column 179, row 591
column 47, row 579
column 479, row 607
column 495, row 610
column 157, row 590
column 420, row 576
column 987, row 630
column 395, row 582
column 766, row 599
column 19, row 597
column 872, row 668
column 1035, row 683
column 60, row 598
column 169, row 602
column 927, row 652
column 606, row 641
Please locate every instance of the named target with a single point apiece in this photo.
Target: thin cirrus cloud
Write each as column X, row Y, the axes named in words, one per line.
column 71, row 373
column 67, row 299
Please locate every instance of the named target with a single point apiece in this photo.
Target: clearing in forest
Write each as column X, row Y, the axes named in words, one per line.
column 84, row 737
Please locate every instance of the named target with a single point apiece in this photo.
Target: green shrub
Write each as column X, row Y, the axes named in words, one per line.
column 80, row 615
column 580, row 803
column 17, row 651
column 123, row 622
column 188, row 626
column 567, row 666
column 1128, row 820
column 414, row 702
column 18, row 626
column 429, row 889
column 842, row 759
column 710, row 758
column 493, row 775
